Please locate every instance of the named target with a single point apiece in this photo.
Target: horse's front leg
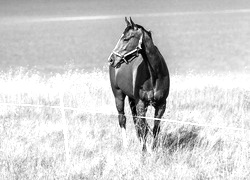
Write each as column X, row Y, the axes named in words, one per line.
column 119, row 101
column 141, row 124
column 134, row 113
column 159, row 111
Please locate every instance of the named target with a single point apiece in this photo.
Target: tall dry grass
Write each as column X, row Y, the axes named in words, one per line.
column 32, row 139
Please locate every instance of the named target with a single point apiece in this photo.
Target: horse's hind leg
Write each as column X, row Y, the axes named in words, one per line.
column 159, row 111
column 119, row 101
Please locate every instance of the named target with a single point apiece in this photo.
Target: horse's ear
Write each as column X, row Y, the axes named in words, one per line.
column 132, row 23
column 127, row 22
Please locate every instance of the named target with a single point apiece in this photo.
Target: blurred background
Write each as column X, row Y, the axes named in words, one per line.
column 193, row 35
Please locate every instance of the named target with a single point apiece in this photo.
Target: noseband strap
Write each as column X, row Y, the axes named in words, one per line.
column 134, row 53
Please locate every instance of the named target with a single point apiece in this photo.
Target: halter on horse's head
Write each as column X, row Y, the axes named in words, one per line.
column 128, row 46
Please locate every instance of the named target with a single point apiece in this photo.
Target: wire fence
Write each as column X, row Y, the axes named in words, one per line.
column 62, row 109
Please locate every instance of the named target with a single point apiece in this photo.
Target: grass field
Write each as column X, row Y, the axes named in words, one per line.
column 32, row 139
column 208, row 59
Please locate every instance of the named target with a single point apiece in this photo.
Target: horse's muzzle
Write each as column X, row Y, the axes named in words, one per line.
column 112, row 61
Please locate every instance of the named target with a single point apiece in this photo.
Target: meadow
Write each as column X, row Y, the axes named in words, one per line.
column 32, row 138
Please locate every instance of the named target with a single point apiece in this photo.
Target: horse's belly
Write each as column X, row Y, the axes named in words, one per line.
column 146, row 95
column 154, row 94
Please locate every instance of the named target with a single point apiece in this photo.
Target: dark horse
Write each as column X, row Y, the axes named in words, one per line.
column 138, row 70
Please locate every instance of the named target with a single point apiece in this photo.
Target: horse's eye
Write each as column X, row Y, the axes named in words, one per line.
column 128, row 38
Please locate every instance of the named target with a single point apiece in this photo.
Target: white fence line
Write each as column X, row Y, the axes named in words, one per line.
column 65, row 124
column 162, row 14
column 62, row 108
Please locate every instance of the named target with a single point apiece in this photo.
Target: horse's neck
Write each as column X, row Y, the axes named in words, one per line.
column 153, row 55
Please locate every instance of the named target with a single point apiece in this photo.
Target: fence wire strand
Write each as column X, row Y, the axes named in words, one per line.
column 108, row 113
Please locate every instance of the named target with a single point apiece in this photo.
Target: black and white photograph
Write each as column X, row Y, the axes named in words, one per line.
column 123, row 89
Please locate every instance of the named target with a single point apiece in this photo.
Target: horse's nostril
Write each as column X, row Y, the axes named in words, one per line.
column 110, row 61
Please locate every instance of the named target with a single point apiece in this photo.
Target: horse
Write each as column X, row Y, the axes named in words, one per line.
column 138, row 70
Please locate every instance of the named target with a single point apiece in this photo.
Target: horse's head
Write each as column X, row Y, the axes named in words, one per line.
column 128, row 46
